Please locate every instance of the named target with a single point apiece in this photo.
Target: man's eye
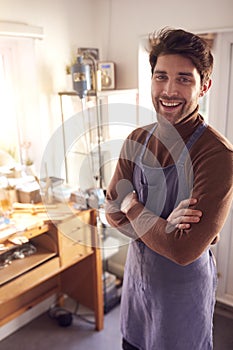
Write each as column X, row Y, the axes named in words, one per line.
column 184, row 80
column 160, row 77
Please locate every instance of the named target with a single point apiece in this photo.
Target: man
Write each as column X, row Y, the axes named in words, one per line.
column 171, row 192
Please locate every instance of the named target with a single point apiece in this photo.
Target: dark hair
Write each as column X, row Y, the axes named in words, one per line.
column 177, row 41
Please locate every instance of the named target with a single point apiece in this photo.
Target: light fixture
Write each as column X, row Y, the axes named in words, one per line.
column 81, row 77
column 82, row 83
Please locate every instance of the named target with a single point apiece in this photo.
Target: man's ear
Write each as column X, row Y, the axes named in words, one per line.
column 205, row 87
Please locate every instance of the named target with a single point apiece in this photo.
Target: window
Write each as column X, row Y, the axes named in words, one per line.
column 8, row 129
column 18, row 84
column 17, row 91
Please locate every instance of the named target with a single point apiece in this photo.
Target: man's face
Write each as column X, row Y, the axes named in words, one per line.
column 176, row 87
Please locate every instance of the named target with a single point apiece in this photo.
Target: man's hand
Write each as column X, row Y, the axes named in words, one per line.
column 129, row 201
column 182, row 216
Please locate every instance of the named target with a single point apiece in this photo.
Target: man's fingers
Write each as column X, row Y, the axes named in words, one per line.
column 185, row 220
column 186, row 217
column 190, row 219
column 187, row 202
column 183, row 226
column 183, row 216
column 189, row 212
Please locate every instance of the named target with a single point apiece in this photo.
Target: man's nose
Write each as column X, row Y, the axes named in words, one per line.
column 170, row 88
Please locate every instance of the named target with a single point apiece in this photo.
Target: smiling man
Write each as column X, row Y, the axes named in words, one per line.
column 176, row 87
column 171, row 193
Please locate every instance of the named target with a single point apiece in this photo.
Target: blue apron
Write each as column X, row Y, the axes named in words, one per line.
column 166, row 306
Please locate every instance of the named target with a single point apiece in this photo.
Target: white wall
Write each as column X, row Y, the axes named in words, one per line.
column 114, row 26
column 131, row 19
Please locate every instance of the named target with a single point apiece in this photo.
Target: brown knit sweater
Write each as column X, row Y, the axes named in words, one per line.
column 212, row 162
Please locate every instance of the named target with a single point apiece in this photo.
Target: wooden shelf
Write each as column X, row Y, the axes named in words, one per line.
column 19, row 267
column 29, row 280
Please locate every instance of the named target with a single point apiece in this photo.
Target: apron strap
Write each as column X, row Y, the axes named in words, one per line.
column 146, row 140
column 194, row 137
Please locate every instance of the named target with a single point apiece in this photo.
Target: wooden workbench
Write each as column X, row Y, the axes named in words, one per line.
column 67, row 261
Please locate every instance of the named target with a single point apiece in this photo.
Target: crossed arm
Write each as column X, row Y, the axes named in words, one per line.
column 195, row 223
column 191, row 227
column 181, row 217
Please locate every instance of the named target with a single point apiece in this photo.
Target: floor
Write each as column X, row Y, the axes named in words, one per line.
column 44, row 333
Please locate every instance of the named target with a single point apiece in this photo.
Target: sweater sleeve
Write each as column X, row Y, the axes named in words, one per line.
column 120, row 185
column 213, row 188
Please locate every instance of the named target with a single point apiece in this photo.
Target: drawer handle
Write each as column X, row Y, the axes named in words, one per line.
column 75, row 229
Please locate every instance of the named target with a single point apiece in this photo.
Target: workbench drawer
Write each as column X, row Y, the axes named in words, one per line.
column 75, row 240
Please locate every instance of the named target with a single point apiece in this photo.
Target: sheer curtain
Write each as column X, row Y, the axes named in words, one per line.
column 18, row 93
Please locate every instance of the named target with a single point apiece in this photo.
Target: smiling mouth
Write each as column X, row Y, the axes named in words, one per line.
column 169, row 104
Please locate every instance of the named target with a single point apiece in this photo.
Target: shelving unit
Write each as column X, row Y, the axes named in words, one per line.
column 117, row 116
column 107, row 117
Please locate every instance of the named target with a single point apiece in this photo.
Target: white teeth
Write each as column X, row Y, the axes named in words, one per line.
column 170, row 104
